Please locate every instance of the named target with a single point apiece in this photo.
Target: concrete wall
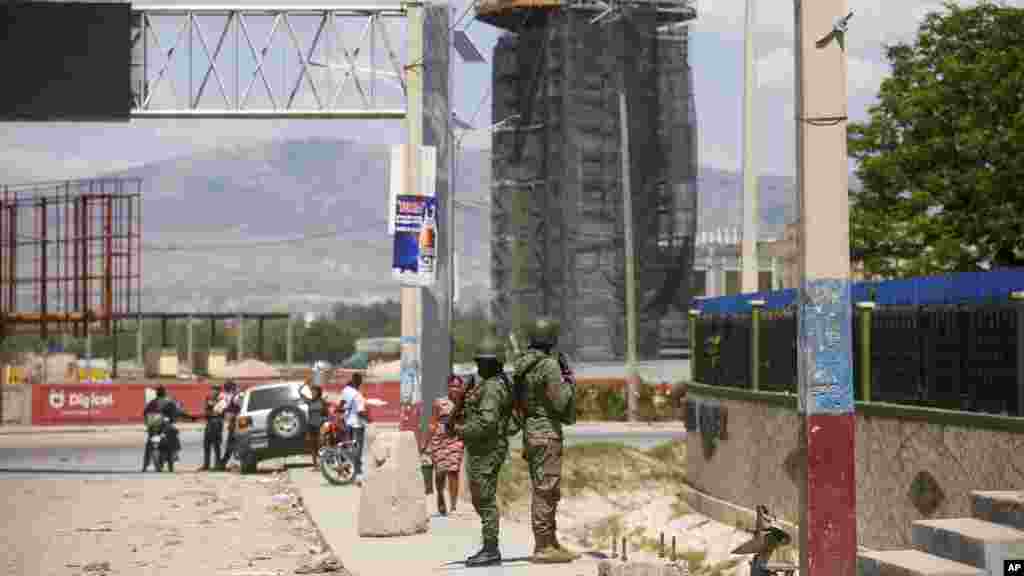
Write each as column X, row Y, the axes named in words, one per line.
column 756, row 460
column 17, row 404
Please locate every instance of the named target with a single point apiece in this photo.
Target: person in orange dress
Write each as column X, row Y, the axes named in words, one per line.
column 445, row 450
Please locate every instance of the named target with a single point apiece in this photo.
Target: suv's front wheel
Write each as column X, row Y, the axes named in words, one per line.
column 286, row 422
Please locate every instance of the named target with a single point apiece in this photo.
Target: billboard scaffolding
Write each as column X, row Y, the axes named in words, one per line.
column 70, row 255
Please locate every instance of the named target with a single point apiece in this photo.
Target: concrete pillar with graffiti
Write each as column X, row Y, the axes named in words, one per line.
column 828, row 519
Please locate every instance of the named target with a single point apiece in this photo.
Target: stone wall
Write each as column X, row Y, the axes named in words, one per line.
column 912, row 463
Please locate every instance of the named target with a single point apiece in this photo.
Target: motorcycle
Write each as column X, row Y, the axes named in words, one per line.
column 159, row 447
column 337, row 457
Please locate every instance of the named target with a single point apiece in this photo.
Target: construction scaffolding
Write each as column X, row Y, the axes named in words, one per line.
column 70, row 255
column 557, row 189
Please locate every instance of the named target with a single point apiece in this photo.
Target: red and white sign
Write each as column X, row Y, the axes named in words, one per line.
column 87, row 403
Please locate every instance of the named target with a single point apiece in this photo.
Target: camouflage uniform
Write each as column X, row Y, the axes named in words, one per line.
column 488, row 407
column 547, row 399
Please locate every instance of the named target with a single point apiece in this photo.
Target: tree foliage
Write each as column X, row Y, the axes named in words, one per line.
column 941, row 158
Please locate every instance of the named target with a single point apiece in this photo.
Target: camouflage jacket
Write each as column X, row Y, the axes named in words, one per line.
column 547, row 396
column 488, row 407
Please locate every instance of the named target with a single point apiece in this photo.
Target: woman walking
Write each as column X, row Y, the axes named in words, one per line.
column 446, row 450
column 317, row 415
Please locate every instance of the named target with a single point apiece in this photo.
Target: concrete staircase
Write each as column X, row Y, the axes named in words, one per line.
column 974, row 546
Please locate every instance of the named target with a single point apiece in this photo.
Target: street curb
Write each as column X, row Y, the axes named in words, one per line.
column 324, row 545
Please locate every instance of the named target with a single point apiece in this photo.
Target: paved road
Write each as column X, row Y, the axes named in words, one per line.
column 123, row 454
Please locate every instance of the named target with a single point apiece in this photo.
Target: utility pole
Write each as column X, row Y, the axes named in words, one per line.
column 412, row 296
column 632, row 378
column 751, row 200
column 827, row 488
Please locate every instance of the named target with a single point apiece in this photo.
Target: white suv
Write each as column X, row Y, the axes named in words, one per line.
column 272, row 424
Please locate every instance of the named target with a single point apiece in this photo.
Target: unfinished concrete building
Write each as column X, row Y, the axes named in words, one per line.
column 557, row 244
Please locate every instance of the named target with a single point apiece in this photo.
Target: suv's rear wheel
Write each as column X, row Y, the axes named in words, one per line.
column 286, row 422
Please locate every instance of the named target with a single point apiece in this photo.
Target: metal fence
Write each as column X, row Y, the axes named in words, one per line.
column 955, row 357
column 959, row 288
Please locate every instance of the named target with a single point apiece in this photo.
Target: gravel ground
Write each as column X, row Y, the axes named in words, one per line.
column 183, row 523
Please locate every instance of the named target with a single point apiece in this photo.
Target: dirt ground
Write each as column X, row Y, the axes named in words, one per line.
column 612, row 491
column 183, row 523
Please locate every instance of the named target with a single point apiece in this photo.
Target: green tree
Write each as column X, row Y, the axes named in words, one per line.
column 941, row 157
column 328, row 340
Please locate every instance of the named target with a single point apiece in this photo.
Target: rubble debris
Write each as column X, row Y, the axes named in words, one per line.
column 325, row 563
column 96, row 568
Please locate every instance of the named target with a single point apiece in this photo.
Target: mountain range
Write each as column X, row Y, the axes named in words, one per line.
column 297, row 225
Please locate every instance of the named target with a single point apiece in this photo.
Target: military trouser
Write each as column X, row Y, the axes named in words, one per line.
column 544, row 457
column 483, row 470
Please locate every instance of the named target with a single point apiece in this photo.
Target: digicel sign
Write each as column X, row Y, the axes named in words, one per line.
column 79, row 404
column 60, row 399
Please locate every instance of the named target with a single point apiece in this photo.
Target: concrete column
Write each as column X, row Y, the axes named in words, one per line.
column 712, row 274
column 188, row 346
column 139, row 348
column 88, row 349
column 288, row 341
column 240, row 344
column 827, row 489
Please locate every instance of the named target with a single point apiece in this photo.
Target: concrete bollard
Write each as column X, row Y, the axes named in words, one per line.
column 391, row 501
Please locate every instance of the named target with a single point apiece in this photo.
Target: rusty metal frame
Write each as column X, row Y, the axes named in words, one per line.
column 71, row 254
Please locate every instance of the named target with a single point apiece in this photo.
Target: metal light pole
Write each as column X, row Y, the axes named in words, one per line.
column 465, row 129
column 467, row 50
column 632, row 378
column 751, row 203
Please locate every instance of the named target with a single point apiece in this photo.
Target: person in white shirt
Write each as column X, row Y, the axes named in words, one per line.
column 354, row 410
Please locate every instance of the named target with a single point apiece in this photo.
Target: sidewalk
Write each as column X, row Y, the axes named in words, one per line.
column 441, row 550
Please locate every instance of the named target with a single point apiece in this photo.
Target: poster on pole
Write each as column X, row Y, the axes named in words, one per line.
column 415, row 246
column 397, row 184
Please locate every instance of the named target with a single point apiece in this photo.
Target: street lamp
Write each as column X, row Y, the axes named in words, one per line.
column 749, row 259
column 464, row 129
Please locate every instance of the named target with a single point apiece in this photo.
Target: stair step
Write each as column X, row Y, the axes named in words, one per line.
column 1000, row 507
column 976, row 542
column 910, row 563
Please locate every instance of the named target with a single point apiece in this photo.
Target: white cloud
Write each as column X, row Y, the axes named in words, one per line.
column 863, row 77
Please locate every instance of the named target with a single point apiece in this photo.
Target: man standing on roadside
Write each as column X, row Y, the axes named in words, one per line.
column 356, row 418
column 546, row 400
column 488, row 409
column 213, row 434
column 233, row 405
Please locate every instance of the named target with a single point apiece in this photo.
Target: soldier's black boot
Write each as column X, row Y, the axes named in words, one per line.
column 489, row 555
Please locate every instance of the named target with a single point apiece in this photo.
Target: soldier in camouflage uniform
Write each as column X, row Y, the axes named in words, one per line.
column 488, row 408
column 545, row 402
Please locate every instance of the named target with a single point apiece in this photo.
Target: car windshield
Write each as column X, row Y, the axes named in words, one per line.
column 269, row 398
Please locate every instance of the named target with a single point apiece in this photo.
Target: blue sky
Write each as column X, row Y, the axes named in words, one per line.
column 50, row 151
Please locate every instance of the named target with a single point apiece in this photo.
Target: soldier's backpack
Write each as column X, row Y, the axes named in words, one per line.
column 567, row 416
